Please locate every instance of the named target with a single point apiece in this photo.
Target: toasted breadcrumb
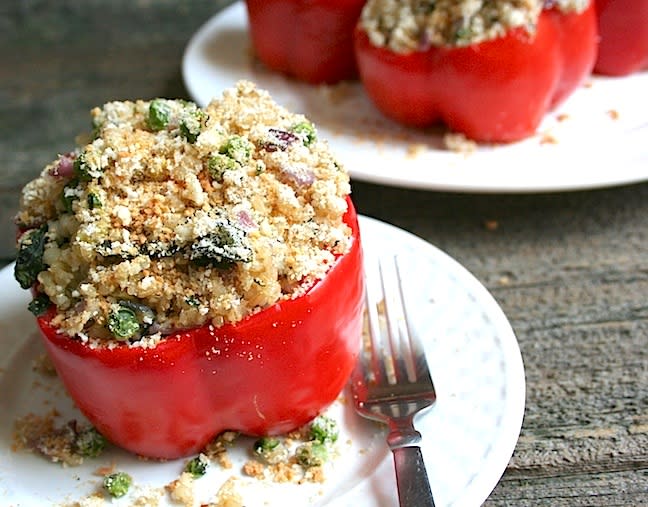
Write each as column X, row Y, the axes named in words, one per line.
column 182, row 490
column 228, row 495
column 39, row 434
column 416, row 25
column 459, row 143
column 197, row 216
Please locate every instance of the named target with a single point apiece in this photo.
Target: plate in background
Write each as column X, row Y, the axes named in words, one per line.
column 598, row 138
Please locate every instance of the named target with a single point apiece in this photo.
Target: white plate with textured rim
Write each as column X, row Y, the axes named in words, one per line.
column 468, row 436
column 597, row 138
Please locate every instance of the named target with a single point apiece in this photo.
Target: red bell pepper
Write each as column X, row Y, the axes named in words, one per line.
column 268, row 374
column 311, row 40
column 497, row 90
column 623, row 29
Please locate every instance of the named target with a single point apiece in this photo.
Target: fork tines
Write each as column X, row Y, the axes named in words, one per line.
column 393, row 355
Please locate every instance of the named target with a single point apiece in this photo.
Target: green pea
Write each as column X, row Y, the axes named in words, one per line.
column 197, row 466
column 117, row 484
column 90, row 443
column 123, row 323
column 158, row 115
column 306, row 131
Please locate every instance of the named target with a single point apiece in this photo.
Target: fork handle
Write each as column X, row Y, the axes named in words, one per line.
column 411, row 478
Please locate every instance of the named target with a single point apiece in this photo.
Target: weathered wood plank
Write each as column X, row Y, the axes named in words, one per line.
column 570, row 270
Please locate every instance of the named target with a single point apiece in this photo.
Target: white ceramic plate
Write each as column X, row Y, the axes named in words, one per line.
column 468, row 436
column 600, row 133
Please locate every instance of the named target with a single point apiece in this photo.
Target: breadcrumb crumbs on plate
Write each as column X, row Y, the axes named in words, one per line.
column 459, row 143
column 184, row 216
column 548, row 138
column 613, row 114
column 228, row 495
column 254, row 468
column 182, row 490
column 414, row 150
column 94, row 500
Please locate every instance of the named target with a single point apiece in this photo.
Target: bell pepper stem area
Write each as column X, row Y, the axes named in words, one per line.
column 268, row 374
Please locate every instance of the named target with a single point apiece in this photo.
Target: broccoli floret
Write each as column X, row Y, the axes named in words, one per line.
column 123, row 323
column 224, row 246
column 197, row 466
column 39, row 304
column 191, row 122
column 218, row 164
column 324, row 429
column 29, row 261
column 82, row 169
column 237, row 148
column 311, row 454
column 270, row 449
column 93, row 201
column 117, row 484
column 159, row 114
column 68, row 196
column 90, row 443
column 192, row 301
column 306, row 131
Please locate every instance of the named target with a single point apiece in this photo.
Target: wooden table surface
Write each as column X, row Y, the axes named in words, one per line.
column 570, row 270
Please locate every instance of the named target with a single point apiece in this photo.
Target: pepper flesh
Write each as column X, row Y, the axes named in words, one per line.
column 623, row 29
column 267, row 374
column 311, row 40
column 494, row 91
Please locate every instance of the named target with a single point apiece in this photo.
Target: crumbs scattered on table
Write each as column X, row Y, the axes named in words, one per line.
column 504, row 280
column 562, row 117
column 491, row 225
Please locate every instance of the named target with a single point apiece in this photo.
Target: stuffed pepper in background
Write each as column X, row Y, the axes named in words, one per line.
column 623, row 29
column 310, row 40
column 490, row 70
column 195, row 271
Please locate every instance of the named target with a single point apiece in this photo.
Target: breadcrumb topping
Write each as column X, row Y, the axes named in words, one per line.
column 173, row 216
column 416, row 25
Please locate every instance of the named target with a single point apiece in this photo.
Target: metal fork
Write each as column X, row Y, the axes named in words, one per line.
column 391, row 384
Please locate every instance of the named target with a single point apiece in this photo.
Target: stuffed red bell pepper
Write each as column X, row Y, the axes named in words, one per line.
column 623, row 29
column 310, row 40
column 195, row 271
column 490, row 70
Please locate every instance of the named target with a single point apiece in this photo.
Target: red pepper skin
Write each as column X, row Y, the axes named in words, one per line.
column 310, row 40
column 494, row 91
column 268, row 374
column 623, row 29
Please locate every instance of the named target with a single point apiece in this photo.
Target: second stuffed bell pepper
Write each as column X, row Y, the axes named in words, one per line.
column 489, row 74
column 623, row 28
column 310, row 40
